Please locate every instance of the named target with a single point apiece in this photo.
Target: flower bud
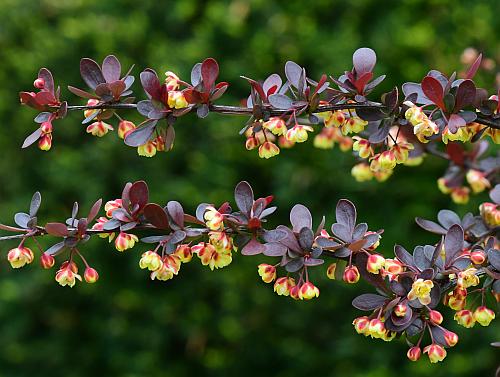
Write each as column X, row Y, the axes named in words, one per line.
column 435, row 317
column 435, row 352
column 361, row 325
column 308, row 291
column 294, row 292
column 111, row 205
column 150, row 260
column 490, row 213
column 214, row 220
column 125, row 241
column 353, row 125
column 91, row 102
column 335, row 118
column 20, row 256
column 465, row 318
column 376, row 328
column 400, row 310
column 375, row 245
column 478, row 257
column 39, row 83
column 283, row 285
column 91, row 276
column 414, row 353
column 375, row 263
column 251, row 143
column 362, row 146
column 124, row 128
column 45, row 142
column 393, row 267
column 330, row 271
column 267, row 272
column 47, row 261
column 351, row 275
column 483, row 315
column 450, row 338
column 268, row 150
column 46, row 127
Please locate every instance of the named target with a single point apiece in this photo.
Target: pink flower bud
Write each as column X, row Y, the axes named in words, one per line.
column 308, row 291
column 435, row 352
column 47, row 261
column 330, row 272
column 45, row 142
column 451, row 338
column 477, row 257
column 435, row 317
column 267, row 272
column 375, row 263
column 39, row 83
column 361, row 325
column 91, row 275
column 414, row 353
column 46, row 127
column 400, row 310
column 351, row 275
column 20, row 256
column 124, row 128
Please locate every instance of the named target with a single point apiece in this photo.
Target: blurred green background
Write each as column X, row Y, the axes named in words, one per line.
column 225, row 322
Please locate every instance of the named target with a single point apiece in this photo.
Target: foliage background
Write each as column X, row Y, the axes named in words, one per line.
column 226, row 322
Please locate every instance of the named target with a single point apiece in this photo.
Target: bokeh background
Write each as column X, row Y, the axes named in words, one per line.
column 226, row 322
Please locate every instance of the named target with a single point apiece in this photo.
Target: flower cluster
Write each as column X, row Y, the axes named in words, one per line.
column 434, row 117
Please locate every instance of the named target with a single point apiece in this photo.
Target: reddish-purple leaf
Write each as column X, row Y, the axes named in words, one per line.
column 403, row 255
column 433, row 90
column 280, row 101
column 253, row 247
column 56, row 229
column 209, row 73
column 274, row 249
column 455, row 122
column 45, row 74
column 156, row 215
column 293, row 71
column 273, row 81
column 116, row 88
column 91, row 73
column 466, row 93
column 364, row 60
column 471, row 72
column 361, row 82
column 430, row 226
column 139, row 194
column 81, row 93
column 94, row 211
column 151, row 83
column 111, row 68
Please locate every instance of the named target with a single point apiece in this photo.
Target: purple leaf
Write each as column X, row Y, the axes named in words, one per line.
column 176, row 212
column 466, row 93
column 273, row 80
column 94, row 211
column 293, row 71
column 253, row 247
column 45, row 74
column 32, row 138
column 196, row 74
column 453, row 242
column 494, row 258
column 280, row 101
column 471, row 72
column 455, row 122
column 342, row 232
column 345, row 213
column 313, row 262
column 243, row 196
column 403, row 255
column 274, row 249
column 22, row 219
column 111, row 68
column 91, row 73
column 36, row 200
column 448, row 218
column 495, row 194
column 156, row 215
column 151, row 83
column 430, row 226
column 369, row 301
column 300, row 217
column 306, row 238
column 141, row 135
column 364, row 60
column 55, row 249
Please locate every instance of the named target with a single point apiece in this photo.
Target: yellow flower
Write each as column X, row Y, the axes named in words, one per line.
column 147, row 150
column 308, row 291
column 435, row 352
column 298, row 133
column 465, row 318
column 375, row 263
column 20, row 256
column 362, row 146
column 330, row 272
column 125, row 241
column 276, row 125
column 361, row 325
column 463, row 134
column 172, row 81
column 268, row 150
column 99, row 128
column 490, row 213
column 267, row 272
column 150, row 260
column 361, row 172
column 477, row 180
column 484, row 316
column 335, row 118
column 176, row 100
column 460, row 195
column 421, row 290
column 353, row 125
column 283, row 285
column 467, row 278
column 124, row 128
column 214, row 220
